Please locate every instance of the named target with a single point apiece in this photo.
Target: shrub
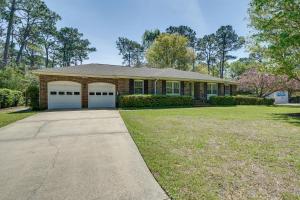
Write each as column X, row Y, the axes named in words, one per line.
column 10, row 98
column 295, row 99
column 32, row 93
column 138, row 101
column 245, row 100
column 222, row 100
column 239, row 100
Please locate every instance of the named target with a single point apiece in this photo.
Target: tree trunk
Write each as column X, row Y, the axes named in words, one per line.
column 129, row 59
column 222, row 58
column 23, row 43
column 12, row 46
column 19, row 55
column 9, row 30
column 31, row 59
column 47, row 56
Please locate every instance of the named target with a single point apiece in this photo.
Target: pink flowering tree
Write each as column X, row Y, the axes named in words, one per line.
column 262, row 84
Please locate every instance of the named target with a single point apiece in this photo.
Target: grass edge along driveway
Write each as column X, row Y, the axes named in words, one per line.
column 243, row 152
column 8, row 117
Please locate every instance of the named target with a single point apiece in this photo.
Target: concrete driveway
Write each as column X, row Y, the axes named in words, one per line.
column 84, row 154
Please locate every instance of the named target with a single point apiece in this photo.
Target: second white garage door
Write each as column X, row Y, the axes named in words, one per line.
column 101, row 95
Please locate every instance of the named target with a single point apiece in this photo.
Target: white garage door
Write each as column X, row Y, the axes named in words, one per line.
column 64, row 94
column 102, row 95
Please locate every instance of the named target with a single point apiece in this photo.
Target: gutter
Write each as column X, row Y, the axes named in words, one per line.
column 133, row 77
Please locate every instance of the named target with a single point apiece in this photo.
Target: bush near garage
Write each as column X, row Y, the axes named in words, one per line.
column 140, row 101
column 32, row 93
column 10, row 98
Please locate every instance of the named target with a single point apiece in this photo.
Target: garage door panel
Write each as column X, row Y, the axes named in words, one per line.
column 101, row 95
column 64, row 94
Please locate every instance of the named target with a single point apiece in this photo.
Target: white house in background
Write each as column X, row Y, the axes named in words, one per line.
column 281, row 97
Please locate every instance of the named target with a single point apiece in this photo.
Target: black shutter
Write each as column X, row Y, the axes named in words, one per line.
column 163, row 87
column 220, row 89
column 181, row 88
column 197, row 90
column 131, row 86
column 145, row 86
column 230, row 90
column 205, row 91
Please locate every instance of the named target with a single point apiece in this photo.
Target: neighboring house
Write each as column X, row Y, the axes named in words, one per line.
column 98, row 85
column 281, row 97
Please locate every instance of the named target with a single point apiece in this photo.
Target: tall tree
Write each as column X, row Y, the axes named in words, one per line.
column 227, row 41
column 277, row 25
column 48, row 35
column 72, row 48
column 131, row 51
column 12, row 9
column 149, row 37
column 170, row 50
column 240, row 66
column 207, row 50
column 35, row 12
column 186, row 32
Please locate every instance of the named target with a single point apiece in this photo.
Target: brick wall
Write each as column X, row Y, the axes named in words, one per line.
column 122, row 86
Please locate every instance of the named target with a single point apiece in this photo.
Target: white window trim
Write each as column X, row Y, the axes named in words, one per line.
column 210, row 88
column 134, row 85
column 173, row 94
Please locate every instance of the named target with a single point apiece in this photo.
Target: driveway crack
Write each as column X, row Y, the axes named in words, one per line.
column 39, row 129
column 50, row 167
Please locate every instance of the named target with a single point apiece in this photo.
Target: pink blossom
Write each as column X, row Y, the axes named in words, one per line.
column 263, row 84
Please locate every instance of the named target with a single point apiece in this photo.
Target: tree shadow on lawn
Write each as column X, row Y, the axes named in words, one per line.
column 292, row 118
column 27, row 110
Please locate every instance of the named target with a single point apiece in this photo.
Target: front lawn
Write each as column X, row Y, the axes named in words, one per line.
column 10, row 117
column 243, row 152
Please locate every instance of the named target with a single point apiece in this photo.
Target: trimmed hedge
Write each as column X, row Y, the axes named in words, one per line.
column 244, row 100
column 295, row 99
column 222, row 100
column 239, row 100
column 139, row 101
column 10, row 98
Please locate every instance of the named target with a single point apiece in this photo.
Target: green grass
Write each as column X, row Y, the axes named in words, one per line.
column 10, row 117
column 243, row 152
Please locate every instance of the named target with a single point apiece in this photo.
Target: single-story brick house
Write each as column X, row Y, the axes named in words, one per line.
column 98, row 85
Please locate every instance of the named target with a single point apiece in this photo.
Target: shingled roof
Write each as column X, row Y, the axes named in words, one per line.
column 117, row 71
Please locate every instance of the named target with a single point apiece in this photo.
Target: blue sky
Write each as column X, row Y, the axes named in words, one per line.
column 103, row 21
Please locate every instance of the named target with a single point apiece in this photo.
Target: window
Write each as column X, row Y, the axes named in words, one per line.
column 111, row 93
column 53, row 93
column 104, row 93
column 69, row 93
column 212, row 88
column 138, row 87
column 98, row 93
column 76, row 93
column 227, row 90
column 92, row 93
column 173, row 88
column 61, row 93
